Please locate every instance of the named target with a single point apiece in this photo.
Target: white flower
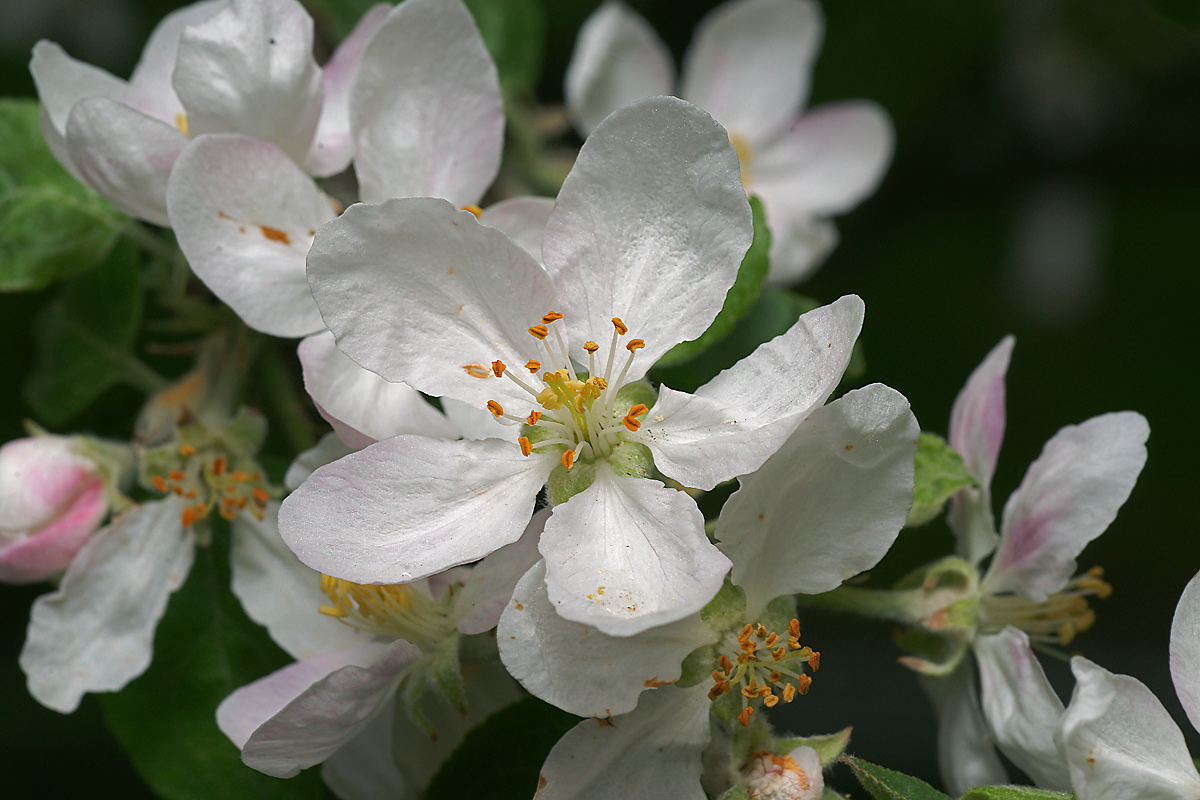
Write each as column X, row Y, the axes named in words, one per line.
column 1119, row 741
column 749, row 65
column 825, row 507
column 642, row 246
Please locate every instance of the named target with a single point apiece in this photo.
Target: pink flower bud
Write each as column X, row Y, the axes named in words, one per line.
column 51, row 501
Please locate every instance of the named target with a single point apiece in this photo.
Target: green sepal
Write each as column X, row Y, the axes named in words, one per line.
column 114, row 462
column 741, row 296
column 886, row 784
column 739, row 792
column 829, row 747
column 631, row 394
column 631, row 460
column 445, row 673
column 564, row 483
column 514, row 33
column 727, row 608
column 237, row 440
column 940, row 472
column 1013, row 793
column 412, row 690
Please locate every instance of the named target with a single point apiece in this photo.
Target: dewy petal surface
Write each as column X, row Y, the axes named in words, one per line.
column 618, row 59
column 411, row 506
column 581, row 670
column 1069, row 496
column 95, row 633
column 627, row 554
column 1185, row 650
column 829, row 504
column 966, row 751
column 421, row 293
column 976, row 432
column 1021, row 707
column 733, row 423
column 651, row 226
column 750, row 64
column 356, row 401
column 245, row 216
column 250, row 69
column 425, row 108
column 653, row 751
column 490, row 585
column 1120, row 743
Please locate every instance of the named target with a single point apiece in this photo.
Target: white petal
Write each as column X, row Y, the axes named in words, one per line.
column 1068, row 497
column 733, row 423
column 63, row 81
column 654, row 751
column 250, row 69
column 617, row 60
column 1021, row 707
column 150, row 84
column 333, row 145
column 326, row 451
column 421, row 293
column 425, row 108
column 245, row 216
column 829, row 504
column 410, row 506
column 627, row 554
column 356, row 401
column 581, row 670
column 651, row 226
column 966, row 752
column 124, row 155
column 1120, row 742
column 364, row 768
column 976, row 432
column 798, row 246
column 280, row 593
column 95, row 633
column 327, row 715
column 1185, row 650
column 523, row 219
column 492, row 580
column 473, row 422
column 750, row 63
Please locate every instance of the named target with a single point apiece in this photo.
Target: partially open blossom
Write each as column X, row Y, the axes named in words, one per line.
column 52, row 499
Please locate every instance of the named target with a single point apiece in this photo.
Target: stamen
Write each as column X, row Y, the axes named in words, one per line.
column 498, row 368
column 187, row 451
column 526, row 447
column 568, row 459
column 551, row 316
column 495, row 408
column 621, row 327
column 635, row 344
column 218, row 465
column 744, row 717
column 533, row 366
column 533, row 417
column 539, row 332
column 591, row 347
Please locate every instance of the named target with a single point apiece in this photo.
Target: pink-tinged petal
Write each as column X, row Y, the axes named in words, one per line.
column 1185, row 650
column 653, row 751
column 280, row 593
column 750, row 64
column 326, row 715
column 733, row 423
column 523, row 219
column 39, row 476
column 245, row 216
column 627, row 554
column 966, row 751
column 1069, row 496
column 618, row 59
column 829, row 504
column 47, row 551
column 410, row 506
column 425, row 108
column 363, row 407
column 581, row 670
column 1021, row 707
column 250, row 69
column 95, row 633
column 365, row 768
column 421, row 293
column 333, row 146
column 490, row 585
column 1120, row 743
column 799, row 245
column 329, row 449
column 976, row 432
column 124, row 155
column 651, row 226
column 150, row 86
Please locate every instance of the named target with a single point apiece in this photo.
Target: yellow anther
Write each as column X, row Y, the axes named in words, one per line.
column 498, row 368
column 333, row 611
column 771, row 700
column 526, row 447
column 551, row 316
column 181, row 122
column 789, row 693
column 621, row 327
column 591, row 347
column 548, row 400
column 568, row 459
column 533, row 417
column 539, row 331
column 750, row 691
column 495, row 408
column 476, row 210
column 635, row 344
column 533, row 366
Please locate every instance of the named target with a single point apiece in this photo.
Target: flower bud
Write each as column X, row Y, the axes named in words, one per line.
column 51, row 500
column 796, row 776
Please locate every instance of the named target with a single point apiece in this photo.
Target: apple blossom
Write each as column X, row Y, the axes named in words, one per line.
column 749, row 65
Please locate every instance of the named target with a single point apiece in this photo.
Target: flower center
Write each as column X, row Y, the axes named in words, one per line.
column 206, row 478
column 578, row 410
column 181, row 122
column 744, row 153
column 780, row 777
column 1056, row 620
column 394, row 611
column 755, row 672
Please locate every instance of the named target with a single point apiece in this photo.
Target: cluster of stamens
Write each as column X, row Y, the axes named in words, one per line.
column 577, row 411
column 1054, row 621
column 210, row 484
column 757, row 674
column 396, row 611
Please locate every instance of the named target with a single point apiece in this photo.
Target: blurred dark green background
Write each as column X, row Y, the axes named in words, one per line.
column 1046, row 183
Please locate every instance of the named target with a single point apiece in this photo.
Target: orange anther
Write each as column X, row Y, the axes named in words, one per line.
column 771, row 640
column 476, row 210
column 495, row 408
column 551, row 316
column 621, row 327
column 188, row 517
column 717, row 690
column 539, row 331
column 789, row 693
column 237, row 476
column 591, row 347
column 175, row 475
column 190, row 494
column 770, row 701
column 775, row 676
column 804, row 682
column 533, row 417
column 637, row 411
column 498, row 368
column 761, row 630
column 533, row 366
column 746, row 632
column 526, row 448
column 750, row 691
column 187, row 450
column 725, row 664
column 631, row 423
column 227, row 513
column 718, row 676
column 778, row 653
column 159, row 483
column 794, row 628
column 261, row 495
column 254, row 476
column 794, row 642
column 635, row 344
column 568, row 459
column 177, row 490
column 218, row 465
column 744, row 717
column 814, row 661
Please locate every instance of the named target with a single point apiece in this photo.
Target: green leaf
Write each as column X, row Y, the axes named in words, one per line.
column 51, row 225
column 84, row 336
column 886, row 784
column 1012, row 793
column 514, row 32
column 205, row 648
column 742, row 295
column 502, row 758
column 940, row 472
